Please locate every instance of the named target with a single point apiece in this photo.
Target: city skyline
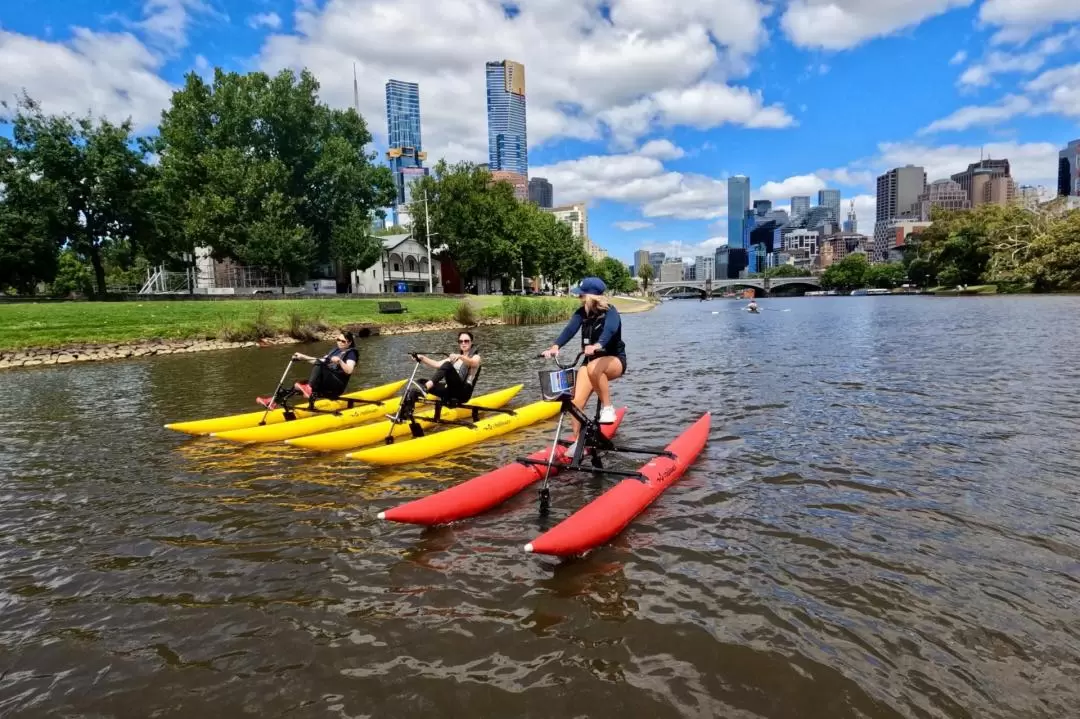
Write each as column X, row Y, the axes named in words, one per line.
column 631, row 129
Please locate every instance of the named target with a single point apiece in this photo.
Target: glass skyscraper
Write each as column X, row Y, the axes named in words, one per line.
column 405, row 152
column 738, row 198
column 508, row 149
column 830, row 199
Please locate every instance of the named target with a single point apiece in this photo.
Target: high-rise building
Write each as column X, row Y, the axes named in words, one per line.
column 851, row 224
column 577, row 216
column 978, row 175
column 1069, row 170
column 641, row 258
column 1029, row 197
column 672, row 270
column 898, row 192
column 656, row 259
column 946, row 194
column 738, row 207
column 540, row 192
column 518, row 182
column 508, row 149
column 830, row 199
column 405, row 149
column 800, row 205
column 762, row 207
column 703, row 267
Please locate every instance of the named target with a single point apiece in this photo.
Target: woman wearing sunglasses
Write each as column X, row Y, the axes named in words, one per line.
column 331, row 373
column 453, row 376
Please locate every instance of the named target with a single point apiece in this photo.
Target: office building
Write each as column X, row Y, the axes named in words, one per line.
column 738, row 208
column 1069, row 170
column 540, row 192
column 672, row 270
column 898, row 192
column 405, row 151
column 946, row 194
column 703, row 267
column 830, row 199
column 507, row 137
column 576, row 215
column 641, row 258
column 762, row 207
column 516, row 181
column 656, row 259
column 851, row 224
column 1029, row 196
column 980, row 182
column 800, row 205
column 837, row 247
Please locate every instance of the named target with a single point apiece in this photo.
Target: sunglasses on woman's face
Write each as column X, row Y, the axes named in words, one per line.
column 464, row 342
column 342, row 339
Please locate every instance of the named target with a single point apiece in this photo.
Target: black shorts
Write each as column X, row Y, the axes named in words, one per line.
column 621, row 358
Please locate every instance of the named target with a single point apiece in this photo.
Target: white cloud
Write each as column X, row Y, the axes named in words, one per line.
column 958, row 58
column 998, row 62
column 632, row 225
column 1060, row 88
column 166, row 22
column 842, row 24
column 108, row 74
column 785, row 189
column 1020, row 19
column 266, row 19
column 586, row 77
column 661, row 150
column 1033, row 163
column 973, row 115
column 706, row 248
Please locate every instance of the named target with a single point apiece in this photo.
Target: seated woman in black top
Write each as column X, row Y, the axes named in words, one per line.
column 331, row 373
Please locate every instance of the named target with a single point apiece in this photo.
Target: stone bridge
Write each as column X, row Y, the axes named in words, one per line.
column 711, row 287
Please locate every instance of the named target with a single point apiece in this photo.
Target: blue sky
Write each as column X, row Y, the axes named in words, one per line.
column 641, row 108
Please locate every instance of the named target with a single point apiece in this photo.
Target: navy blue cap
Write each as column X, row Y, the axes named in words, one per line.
column 589, row 286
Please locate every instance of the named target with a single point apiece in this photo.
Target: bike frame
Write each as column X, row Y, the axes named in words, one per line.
column 590, row 438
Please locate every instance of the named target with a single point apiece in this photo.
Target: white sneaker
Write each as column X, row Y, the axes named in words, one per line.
column 607, row 415
column 571, row 449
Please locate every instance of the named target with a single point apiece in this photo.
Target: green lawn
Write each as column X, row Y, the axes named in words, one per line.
column 60, row 324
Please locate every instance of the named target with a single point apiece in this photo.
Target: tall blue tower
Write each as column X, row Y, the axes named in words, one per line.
column 405, row 152
column 508, row 149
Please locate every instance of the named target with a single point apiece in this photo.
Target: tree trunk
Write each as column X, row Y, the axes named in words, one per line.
column 99, row 268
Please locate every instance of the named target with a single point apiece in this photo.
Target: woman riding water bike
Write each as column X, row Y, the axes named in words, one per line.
column 601, row 332
column 331, row 373
column 453, row 376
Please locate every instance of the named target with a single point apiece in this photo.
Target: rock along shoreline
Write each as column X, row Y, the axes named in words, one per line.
column 90, row 352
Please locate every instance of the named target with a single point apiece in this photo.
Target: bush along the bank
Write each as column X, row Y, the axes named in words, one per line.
column 518, row 310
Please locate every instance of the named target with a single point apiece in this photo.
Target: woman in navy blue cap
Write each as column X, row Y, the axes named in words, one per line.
column 601, row 331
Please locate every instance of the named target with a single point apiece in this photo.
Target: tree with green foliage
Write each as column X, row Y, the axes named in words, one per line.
column 614, row 274
column 848, row 274
column 488, row 232
column 645, row 273
column 73, row 276
column 257, row 169
column 887, row 275
column 77, row 180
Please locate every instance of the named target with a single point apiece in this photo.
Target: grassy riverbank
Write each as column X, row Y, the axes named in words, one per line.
column 64, row 324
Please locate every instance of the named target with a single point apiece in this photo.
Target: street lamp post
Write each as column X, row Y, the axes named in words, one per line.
column 430, row 261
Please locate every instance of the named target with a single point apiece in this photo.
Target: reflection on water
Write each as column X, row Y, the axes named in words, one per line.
column 883, row 524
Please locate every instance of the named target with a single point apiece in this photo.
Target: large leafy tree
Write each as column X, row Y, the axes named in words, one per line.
column 72, row 182
column 848, row 274
column 257, row 169
column 614, row 274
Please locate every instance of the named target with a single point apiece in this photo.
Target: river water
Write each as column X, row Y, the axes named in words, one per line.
column 885, row 523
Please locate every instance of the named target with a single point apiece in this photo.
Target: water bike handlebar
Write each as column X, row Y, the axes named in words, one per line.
column 560, row 365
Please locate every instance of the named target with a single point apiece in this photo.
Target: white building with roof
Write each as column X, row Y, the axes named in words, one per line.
column 403, row 266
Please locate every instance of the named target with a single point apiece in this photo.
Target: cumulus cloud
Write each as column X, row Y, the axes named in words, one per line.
column 786, row 189
column 588, row 75
column 958, row 58
column 632, row 225
column 973, row 115
column 1060, row 90
column 265, row 19
column 843, row 24
column 108, row 74
column 166, row 22
column 999, row 62
column 661, row 150
column 1033, row 163
column 1020, row 19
